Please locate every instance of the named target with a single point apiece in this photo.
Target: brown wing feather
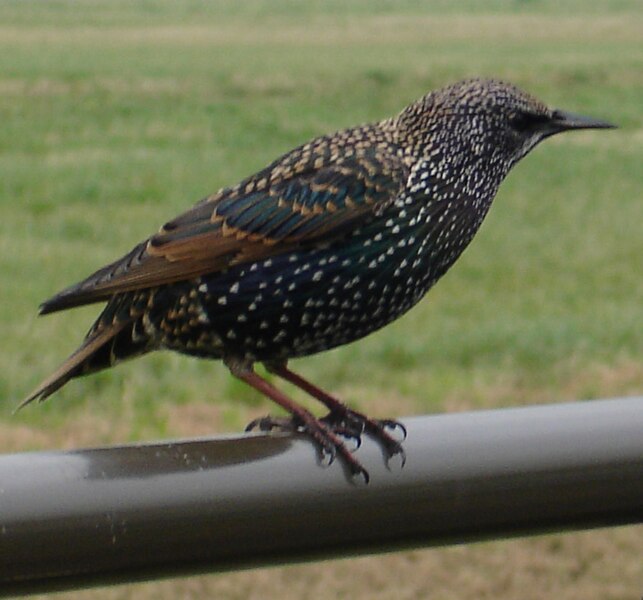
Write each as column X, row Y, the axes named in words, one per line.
column 262, row 217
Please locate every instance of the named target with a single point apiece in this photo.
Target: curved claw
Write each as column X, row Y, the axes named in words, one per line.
column 350, row 436
column 327, row 454
column 394, row 452
column 346, row 432
column 360, row 472
column 394, row 426
column 357, row 439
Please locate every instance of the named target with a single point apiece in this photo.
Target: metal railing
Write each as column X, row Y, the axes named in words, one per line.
column 108, row 515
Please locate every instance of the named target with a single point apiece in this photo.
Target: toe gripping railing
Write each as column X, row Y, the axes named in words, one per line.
column 108, row 515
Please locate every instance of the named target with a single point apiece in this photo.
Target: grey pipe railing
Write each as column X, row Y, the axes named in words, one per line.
column 107, row 515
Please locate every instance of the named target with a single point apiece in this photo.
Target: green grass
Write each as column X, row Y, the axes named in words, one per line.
column 115, row 116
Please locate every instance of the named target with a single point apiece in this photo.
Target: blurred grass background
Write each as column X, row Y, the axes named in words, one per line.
column 117, row 115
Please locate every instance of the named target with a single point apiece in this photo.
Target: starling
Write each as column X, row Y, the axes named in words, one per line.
column 327, row 244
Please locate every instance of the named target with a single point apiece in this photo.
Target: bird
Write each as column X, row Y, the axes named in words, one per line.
column 329, row 243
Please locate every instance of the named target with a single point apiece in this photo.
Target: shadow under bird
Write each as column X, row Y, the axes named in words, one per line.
column 327, row 244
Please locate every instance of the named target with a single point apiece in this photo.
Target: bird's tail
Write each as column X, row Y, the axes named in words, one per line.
column 108, row 342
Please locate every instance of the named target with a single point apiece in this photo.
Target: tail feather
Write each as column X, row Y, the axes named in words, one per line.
column 79, row 363
column 90, row 290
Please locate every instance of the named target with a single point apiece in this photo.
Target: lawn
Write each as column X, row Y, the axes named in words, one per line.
column 118, row 115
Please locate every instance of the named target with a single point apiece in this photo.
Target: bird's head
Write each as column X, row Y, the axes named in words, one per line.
column 489, row 122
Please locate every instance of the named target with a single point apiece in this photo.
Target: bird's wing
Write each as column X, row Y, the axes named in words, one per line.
column 288, row 205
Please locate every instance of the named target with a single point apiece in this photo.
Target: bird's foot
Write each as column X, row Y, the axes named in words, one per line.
column 325, row 436
column 385, row 431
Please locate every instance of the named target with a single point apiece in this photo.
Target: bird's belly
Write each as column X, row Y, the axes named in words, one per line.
column 290, row 306
column 297, row 325
column 300, row 303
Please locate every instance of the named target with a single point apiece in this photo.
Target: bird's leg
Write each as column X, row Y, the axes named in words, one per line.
column 329, row 444
column 343, row 419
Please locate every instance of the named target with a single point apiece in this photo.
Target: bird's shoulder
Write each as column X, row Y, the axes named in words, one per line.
column 356, row 163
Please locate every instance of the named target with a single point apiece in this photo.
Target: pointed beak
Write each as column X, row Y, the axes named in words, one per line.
column 566, row 121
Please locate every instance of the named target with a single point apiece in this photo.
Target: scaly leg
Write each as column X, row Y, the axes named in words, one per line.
column 320, row 432
column 343, row 419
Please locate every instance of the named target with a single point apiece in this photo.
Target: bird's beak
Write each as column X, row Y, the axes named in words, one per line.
column 566, row 121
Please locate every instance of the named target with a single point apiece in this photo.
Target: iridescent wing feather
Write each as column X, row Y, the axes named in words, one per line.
column 291, row 204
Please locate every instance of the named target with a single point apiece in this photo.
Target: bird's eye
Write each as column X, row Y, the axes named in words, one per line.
column 524, row 121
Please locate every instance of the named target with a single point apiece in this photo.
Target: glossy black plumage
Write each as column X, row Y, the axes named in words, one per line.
column 330, row 242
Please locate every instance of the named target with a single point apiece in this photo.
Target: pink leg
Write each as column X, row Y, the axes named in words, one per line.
column 343, row 416
column 319, row 431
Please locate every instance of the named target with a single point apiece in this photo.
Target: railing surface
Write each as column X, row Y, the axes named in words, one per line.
column 108, row 515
